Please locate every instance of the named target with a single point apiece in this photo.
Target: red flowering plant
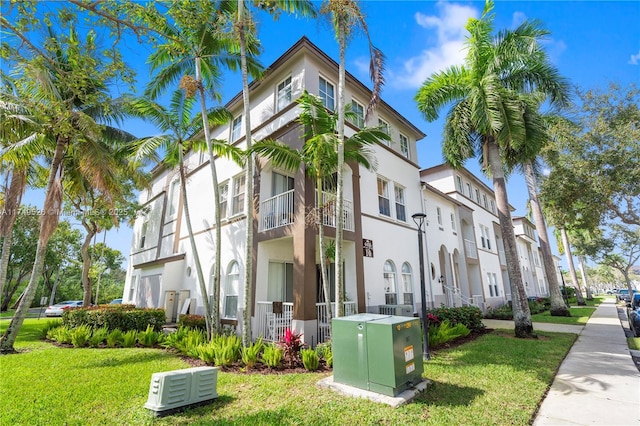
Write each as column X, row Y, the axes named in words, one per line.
column 291, row 344
column 432, row 319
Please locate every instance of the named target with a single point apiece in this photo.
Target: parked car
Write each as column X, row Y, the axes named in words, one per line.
column 57, row 309
column 623, row 294
column 116, row 302
column 633, row 314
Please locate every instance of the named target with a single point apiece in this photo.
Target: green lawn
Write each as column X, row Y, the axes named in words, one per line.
column 579, row 316
column 495, row 379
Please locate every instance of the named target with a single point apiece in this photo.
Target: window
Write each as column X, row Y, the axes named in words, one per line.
column 477, row 196
column 383, row 197
column 390, row 283
column 484, row 201
column 493, row 284
column 232, row 290
column 143, row 232
column 174, row 194
column 358, row 111
column 469, row 190
column 327, row 94
column 283, row 94
column 236, row 128
column 439, row 214
column 453, row 221
column 384, row 126
column 223, row 192
column 459, row 182
column 404, row 146
column 400, row 208
column 485, row 237
column 237, row 200
column 407, row 284
column 493, row 207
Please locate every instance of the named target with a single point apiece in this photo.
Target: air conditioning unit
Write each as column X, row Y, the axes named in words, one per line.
column 175, row 390
column 397, row 310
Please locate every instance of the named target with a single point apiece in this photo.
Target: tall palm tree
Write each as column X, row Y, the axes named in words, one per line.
column 319, row 157
column 243, row 23
column 487, row 119
column 69, row 91
column 181, row 131
column 199, row 44
column 347, row 18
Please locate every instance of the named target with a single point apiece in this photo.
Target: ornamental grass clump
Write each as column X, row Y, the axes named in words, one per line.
column 80, row 336
column 310, row 359
column 115, row 338
column 251, row 353
column 129, row 339
column 226, row 349
column 60, row 334
column 445, row 332
column 98, row 337
column 325, row 353
column 150, row 337
column 272, row 355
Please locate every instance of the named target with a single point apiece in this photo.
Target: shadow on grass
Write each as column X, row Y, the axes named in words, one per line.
column 448, row 395
column 119, row 360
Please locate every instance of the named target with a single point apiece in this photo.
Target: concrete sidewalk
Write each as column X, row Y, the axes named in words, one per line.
column 598, row 382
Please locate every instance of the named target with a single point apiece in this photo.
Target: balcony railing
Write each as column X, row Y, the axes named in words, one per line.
column 329, row 217
column 276, row 211
column 470, row 249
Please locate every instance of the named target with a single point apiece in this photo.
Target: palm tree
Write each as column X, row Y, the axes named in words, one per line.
column 180, row 134
column 243, row 23
column 69, row 92
column 319, row 157
column 347, row 18
column 487, row 117
column 201, row 45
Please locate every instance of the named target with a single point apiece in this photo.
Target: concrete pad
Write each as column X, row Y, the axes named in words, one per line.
column 397, row 401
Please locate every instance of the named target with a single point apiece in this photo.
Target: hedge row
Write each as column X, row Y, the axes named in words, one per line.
column 470, row 316
column 123, row 317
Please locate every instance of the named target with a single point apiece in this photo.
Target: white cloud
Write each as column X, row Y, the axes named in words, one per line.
column 517, row 19
column 450, row 33
column 634, row 59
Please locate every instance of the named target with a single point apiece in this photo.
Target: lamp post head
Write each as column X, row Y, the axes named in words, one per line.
column 418, row 218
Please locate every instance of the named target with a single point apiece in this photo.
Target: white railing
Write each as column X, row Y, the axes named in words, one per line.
column 455, row 298
column 329, row 217
column 276, row 211
column 470, row 249
column 350, row 308
column 503, row 257
column 270, row 325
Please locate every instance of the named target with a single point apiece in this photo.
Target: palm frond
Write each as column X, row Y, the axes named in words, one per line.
column 281, row 154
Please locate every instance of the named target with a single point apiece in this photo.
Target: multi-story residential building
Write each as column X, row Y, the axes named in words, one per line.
column 379, row 238
column 481, row 233
column 534, row 280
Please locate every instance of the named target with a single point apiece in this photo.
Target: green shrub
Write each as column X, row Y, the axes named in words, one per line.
column 535, row 306
column 80, row 336
column 310, row 359
column 172, row 339
column 60, row 334
column 115, row 338
column 188, row 345
column 149, row 337
column 192, row 321
column 206, row 353
column 226, row 349
column 324, row 352
column 272, row 355
column 129, row 339
column 98, row 336
column 123, row 317
column 445, row 332
column 503, row 312
column 251, row 353
column 51, row 324
column 470, row 316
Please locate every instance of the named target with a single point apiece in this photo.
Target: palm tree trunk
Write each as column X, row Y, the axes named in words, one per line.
column 48, row 224
column 521, row 313
column 249, row 184
column 342, row 41
column 213, row 311
column 12, row 203
column 572, row 268
column 558, row 307
column 323, row 257
column 192, row 240
column 86, row 262
column 584, row 277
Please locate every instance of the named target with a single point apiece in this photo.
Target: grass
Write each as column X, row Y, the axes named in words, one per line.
column 496, row 379
column 579, row 316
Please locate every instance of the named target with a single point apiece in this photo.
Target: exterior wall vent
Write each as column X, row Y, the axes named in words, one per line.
column 176, row 390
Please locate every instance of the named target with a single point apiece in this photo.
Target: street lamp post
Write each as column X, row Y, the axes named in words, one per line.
column 418, row 218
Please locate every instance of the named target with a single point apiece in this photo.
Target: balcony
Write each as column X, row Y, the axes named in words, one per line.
column 276, row 211
column 470, row 249
column 329, row 217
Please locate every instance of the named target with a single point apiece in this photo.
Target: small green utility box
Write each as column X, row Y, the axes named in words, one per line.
column 380, row 353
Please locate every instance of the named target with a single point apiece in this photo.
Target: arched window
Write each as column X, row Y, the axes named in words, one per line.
column 407, row 284
column 390, row 293
column 232, row 289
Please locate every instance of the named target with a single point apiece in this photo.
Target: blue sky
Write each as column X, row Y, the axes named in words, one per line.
column 591, row 42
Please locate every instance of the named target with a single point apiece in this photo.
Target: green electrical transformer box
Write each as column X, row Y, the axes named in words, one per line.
column 380, row 353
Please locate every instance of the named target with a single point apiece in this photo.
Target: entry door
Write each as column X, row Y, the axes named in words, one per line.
column 280, row 286
column 149, row 291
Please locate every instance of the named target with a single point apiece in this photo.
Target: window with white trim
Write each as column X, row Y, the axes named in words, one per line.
column 477, row 196
column 390, row 294
column 358, row 110
column 407, row 284
column 327, row 91
column 493, row 284
column 469, row 190
column 232, row 290
column 400, row 207
column 493, row 207
column 439, row 215
column 283, row 94
column 485, row 237
column 404, row 146
column 383, row 197
column 459, row 183
column 174, row 196
column 237, row 197
column 453, row 221
column 484, row 201
column 384, row 126
column 236, row 128
column 223, row 192
column 143, row 232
